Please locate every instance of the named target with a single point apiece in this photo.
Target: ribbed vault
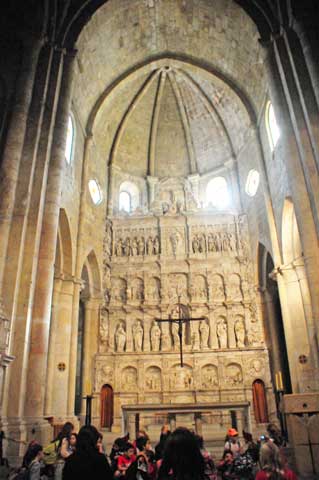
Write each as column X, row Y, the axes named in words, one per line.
column 171, row 117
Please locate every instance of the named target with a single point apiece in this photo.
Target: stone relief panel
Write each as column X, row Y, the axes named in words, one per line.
column 233, row 288
column 234, row 375
column 120, row 337
column 129, row 379
column 198, row 289
column 178, row 287
column 217, row 288
column 181, row 378
column 153, row 290
column 153, row 379
column 104, row 374
column 135, row 292
column 209, row 377
column 119, row 290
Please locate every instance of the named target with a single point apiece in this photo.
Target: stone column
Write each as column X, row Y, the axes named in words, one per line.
column 303, row 205
column 48, row 410
column 74, row 346
column 14, row 144
column 151, row 182
column 34, row 405
column 91, row 319
column 308, row 39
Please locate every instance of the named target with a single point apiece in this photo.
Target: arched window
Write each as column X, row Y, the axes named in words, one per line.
column 69, row 141
column 95, row 191
column 260, row 402
column 252, row 183
column 217, row 193
column 272, row 126
column 129, row 197
column 125, row 203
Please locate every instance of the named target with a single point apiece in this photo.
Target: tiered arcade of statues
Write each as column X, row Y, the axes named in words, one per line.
column 200, row 260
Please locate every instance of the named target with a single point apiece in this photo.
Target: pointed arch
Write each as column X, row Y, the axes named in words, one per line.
column 93, row 274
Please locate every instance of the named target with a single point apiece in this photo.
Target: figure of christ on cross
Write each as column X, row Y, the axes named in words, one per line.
column 180, row 321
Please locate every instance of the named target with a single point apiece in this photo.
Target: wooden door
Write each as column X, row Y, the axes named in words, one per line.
column 106, row 406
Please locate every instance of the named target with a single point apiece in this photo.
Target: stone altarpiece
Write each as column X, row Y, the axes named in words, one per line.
column 177, row 252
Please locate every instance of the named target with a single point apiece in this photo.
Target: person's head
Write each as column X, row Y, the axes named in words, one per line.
column 128, row 450
column 142, row 434
column 165, row 429
column 270, row 458
column 142, row 444
column 228, row 456
column 232, row 435
column 66, row 431
column 34, row 452
column 182, row 456
column 73, row 439
column 87, row 440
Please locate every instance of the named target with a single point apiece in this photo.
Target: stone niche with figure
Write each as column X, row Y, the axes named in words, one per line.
column 179, row 260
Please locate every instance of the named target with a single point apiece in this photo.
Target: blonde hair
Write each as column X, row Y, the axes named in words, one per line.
column 271, row 461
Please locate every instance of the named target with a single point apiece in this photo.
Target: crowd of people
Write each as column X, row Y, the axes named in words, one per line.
column 180, row 455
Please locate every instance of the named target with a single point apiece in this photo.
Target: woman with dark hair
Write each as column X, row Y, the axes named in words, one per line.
column 64, row 449
column 182, row 459
column 87, row 462
column 159, row 448
column 32, row 461
column 272, row 466
column 210, row 469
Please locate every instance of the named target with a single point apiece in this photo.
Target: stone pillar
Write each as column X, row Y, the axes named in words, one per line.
column 74, row 346
column 48, row 409
column 90, row 340
column 302, row 200
column 34, row 406
column 14, row 144
column 231, row 328
column 151, row 182
column 308, row 40
column 62, row 347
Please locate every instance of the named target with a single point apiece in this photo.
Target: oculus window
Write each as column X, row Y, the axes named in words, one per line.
column 252, row 183
column 217, row 193
column 95, row 192
column 69, row 141
column 272, row 126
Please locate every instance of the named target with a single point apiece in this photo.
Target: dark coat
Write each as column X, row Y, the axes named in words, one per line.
column 82, row 467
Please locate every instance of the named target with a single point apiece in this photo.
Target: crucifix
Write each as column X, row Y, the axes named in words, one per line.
column 180, row 321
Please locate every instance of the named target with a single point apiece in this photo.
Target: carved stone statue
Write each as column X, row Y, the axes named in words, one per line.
column 175, row 336
column 195, row 244
column 155, row 337
column 221, row 330
column 156, row 245
column 127, row 247
column 120, row 338
column 119, row 248
column 141, row 246
column 150, row 246
column 195, row 338
column 240, row 333
column 204, row 334
column 175, row 243
column 104, row 331
column 138, row 333
column 201, row 244
column 134, row 247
